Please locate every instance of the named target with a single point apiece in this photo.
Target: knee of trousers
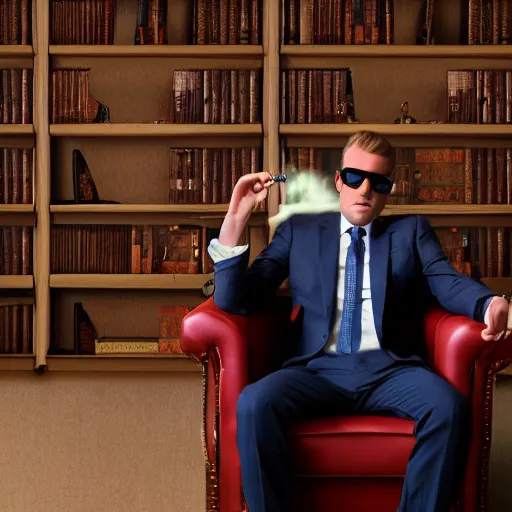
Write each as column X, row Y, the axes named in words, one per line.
column 253, row 403
column 451, row 409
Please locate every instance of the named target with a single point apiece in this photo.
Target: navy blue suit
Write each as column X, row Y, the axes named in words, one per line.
column 408, row 271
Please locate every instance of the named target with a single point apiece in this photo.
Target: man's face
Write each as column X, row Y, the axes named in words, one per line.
column 360, row 206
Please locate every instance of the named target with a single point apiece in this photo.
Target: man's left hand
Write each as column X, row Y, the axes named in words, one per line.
column 497, row 318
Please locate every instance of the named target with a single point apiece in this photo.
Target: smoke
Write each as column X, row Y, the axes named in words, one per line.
column 307, row 192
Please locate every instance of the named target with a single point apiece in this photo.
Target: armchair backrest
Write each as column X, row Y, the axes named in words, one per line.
column 268, row 334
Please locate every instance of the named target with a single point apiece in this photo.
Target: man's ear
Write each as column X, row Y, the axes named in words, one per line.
column 337, row 181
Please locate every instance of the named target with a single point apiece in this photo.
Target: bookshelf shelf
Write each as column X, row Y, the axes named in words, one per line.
column 16, row 362
column 16, row 129
column 154, row 130
column 16, row 208
column 187, row 51
column 16, row 50
column 148, row 214
column 449, row 209
column 124, row 363
column 205, row 209
column 399, row 51
column 425, row 130
column 17, row 282
column 130, row 281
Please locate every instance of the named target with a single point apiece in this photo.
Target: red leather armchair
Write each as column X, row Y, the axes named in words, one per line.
column 355, row 462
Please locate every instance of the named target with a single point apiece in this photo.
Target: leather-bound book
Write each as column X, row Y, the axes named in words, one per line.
column 84, row 188
column 358, row 21
column 84, row 331
column 306, row 21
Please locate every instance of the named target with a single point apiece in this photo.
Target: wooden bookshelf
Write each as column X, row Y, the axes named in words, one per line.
column 172, row 51
column 130, row 281
column 136, row 97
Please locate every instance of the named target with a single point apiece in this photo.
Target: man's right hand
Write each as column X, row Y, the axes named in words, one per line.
column 250, row 190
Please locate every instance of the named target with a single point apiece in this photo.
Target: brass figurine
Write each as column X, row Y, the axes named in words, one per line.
column 405, row 118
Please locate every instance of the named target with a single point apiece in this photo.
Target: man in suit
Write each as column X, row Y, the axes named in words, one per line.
column 363, row 283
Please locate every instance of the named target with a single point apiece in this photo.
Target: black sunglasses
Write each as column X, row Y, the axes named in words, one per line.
column 354, row 178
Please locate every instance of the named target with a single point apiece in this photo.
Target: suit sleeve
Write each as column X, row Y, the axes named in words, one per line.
column 241, row 290
column 457, row 293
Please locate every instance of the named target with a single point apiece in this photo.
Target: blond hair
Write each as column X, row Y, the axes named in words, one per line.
column 371, row 142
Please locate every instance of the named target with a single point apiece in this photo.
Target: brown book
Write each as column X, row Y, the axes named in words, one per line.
column 461, row 90
column 306, row 21
column 84, row 331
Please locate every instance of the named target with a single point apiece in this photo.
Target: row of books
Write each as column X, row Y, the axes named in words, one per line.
column 478, row 252
column 337, row 21
column 214, row 22
column 16, row 96
column 327, row 96
column 480, row 96
column 225, row 96
column 216, row 96
column 16, row 330
column 15, row 22
column 317, row 96
column 208, row 175
column 88, row 342
column 489, row 21
column 71, row 100
column 16, row 250
column 447, row 175
column 16, row 171
column 226, row 22
column 82, row 21
column 125, row 249
column 238, row 22
column 372, row 22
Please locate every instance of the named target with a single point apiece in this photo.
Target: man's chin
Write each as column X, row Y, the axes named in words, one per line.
column 359, row 219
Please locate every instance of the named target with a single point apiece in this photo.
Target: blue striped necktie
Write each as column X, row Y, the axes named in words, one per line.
column 349, row 337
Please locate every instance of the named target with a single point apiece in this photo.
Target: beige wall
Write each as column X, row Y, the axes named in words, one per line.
column 102, row 442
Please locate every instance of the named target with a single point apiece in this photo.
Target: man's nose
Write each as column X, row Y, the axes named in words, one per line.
column 365, row 187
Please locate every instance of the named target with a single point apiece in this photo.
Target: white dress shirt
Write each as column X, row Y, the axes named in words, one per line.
column 369, row 340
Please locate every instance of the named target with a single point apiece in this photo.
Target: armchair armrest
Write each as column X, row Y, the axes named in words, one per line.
column 455, row 346
column 458, row 353
column 235, row 350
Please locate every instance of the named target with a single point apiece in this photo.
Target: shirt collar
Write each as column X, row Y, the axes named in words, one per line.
column 345, row 225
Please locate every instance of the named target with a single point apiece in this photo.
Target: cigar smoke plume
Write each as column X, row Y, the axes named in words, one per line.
column 306, row 192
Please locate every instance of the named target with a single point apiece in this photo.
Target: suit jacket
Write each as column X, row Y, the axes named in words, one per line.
column 408, row 271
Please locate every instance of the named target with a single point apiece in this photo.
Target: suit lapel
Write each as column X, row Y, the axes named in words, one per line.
column 379, row 257
column 329, row 248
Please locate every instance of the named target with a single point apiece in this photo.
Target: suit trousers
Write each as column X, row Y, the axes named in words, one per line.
column 364, row 382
